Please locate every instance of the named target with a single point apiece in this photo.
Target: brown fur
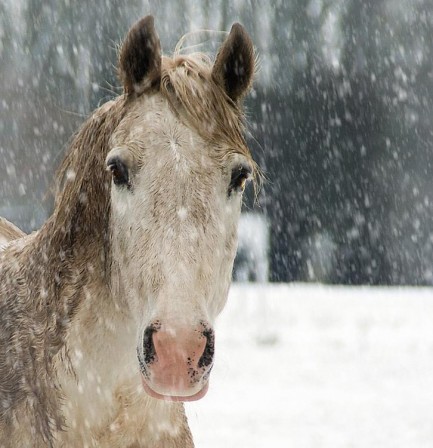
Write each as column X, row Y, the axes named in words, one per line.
column 9, row 231
column 44, row 276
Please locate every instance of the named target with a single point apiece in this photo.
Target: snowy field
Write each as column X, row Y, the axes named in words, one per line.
column 309, row 366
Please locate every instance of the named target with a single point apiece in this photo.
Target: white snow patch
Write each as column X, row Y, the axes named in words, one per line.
column 311, row 366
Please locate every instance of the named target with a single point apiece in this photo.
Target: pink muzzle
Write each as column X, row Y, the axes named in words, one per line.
column 176, row 362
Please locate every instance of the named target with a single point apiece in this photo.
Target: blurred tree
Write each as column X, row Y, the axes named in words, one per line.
column 104, row 33
column 6, row 37
column 339, row 143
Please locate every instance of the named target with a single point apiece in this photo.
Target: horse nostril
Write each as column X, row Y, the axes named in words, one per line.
column 149, row 351
column 209, row 350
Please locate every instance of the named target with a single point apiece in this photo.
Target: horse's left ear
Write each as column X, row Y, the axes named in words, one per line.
column 234, row 65
column 140, row 58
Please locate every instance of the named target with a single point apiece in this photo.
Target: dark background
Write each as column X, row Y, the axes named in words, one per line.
column 340, row 119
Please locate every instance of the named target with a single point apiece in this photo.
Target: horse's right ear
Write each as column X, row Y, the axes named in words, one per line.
column 140, row 58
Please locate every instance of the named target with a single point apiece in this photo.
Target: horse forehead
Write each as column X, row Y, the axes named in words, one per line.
column 151, row 124
column 158, row 138
column 144, row 114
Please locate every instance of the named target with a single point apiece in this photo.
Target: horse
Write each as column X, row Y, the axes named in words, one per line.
column 107, row 312
column 8, row 232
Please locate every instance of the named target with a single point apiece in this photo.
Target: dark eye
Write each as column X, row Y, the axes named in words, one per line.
column 119, row 171
column 240, row 175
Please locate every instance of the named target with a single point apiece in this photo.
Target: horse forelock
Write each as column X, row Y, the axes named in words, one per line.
column 203, row 104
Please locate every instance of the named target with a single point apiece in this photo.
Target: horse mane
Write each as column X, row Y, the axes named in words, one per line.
column 82, row 198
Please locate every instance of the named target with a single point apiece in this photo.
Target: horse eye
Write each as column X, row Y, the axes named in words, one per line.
column 240, row 175
column 119, row 171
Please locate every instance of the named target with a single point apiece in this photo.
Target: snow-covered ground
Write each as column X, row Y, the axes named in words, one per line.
column 310, row 366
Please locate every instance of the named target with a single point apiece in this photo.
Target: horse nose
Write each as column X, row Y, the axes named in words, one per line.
column 149, row 352
column 206, row 358
column 168, row 343
column 176, row 358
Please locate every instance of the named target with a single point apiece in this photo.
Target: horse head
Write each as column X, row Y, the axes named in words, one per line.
column 179, row 164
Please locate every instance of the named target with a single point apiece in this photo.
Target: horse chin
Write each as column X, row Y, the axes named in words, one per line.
column 194, row 397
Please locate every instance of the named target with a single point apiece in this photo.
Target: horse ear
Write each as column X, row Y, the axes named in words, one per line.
column 234, row 65
column 140, row 58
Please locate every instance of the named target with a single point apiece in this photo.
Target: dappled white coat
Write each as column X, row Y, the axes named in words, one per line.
column 156, row 243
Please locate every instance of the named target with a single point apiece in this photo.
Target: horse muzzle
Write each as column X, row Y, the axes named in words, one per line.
column 176, row 362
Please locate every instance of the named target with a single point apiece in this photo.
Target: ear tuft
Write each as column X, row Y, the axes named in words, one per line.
column 140, row 58
column 234, row 65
